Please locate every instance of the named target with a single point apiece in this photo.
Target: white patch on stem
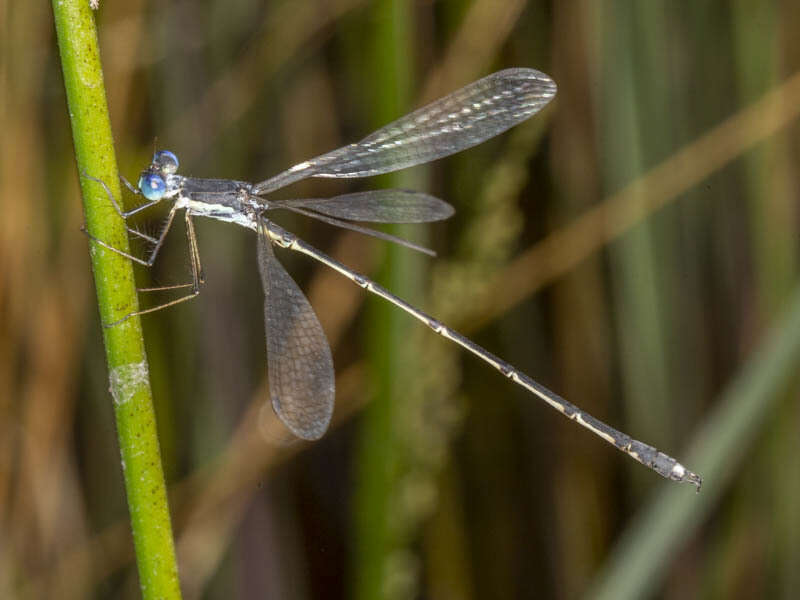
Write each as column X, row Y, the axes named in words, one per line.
column 126, row 380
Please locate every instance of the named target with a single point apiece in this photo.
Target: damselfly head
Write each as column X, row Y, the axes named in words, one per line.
column 152, row 182
column 165, row 161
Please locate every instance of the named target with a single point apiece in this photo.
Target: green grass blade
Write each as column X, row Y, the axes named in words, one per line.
column 382, row 565
column 644, row 553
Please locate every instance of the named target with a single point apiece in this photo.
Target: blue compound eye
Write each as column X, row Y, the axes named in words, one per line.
column 152, row 186
column 166, row 161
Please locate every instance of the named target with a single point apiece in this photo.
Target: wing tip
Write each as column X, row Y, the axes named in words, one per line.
column 309, row 432
column 308, row 426
column 541, row 83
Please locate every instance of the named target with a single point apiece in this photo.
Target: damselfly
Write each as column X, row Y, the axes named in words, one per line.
column 301, row 376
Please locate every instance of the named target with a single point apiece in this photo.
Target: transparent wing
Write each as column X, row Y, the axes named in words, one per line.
column 463, row 119
column 377, row 206
column 301, row 378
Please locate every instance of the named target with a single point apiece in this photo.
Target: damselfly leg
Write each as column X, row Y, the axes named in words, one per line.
column 194, row 254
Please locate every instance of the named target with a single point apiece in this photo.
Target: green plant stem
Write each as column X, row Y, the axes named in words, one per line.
column 116, row 296
column 381, row 531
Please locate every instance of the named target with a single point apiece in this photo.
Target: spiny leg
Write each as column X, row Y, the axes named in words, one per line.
column 120, row 212
column 194, row 248
column 124, row 215
column 136, row 191
column 194, row 255
column 158, row 242
column 197, row 277
column 194, row 258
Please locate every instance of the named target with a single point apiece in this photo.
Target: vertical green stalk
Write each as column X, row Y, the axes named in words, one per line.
column 640, row 258
column 116, row 296
column 382, row 568
column 769, row 184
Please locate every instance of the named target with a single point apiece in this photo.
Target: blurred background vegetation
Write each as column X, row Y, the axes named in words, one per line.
column 634, row 248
